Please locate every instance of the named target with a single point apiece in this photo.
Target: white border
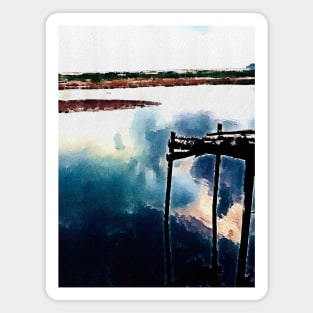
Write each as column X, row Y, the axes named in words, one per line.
column 261, row 125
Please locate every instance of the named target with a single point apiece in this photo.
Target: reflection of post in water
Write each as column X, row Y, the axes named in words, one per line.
column 236, row 144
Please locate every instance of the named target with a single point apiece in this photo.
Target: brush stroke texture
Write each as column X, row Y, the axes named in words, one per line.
column 93, row 105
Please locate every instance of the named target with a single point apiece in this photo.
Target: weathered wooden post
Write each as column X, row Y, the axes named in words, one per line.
column 214, row 204
column 235, row 144
column 246, row 215
column 166, row 212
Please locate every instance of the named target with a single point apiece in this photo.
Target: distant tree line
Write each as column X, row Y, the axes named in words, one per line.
column 97, row 77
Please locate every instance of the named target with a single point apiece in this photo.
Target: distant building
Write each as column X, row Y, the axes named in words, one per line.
column 250, row 67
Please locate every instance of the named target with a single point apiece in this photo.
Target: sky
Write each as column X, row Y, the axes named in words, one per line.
column 136, row 48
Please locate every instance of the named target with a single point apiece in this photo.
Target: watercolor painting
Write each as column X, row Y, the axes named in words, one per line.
column 156, row 156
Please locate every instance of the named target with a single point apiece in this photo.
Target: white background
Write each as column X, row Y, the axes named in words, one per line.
column 22, row 166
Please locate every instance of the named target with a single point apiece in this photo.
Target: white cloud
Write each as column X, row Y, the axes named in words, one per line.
column 132, row 48
column 229, row 226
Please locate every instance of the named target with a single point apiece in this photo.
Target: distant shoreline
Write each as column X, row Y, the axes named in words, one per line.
column 154, row 82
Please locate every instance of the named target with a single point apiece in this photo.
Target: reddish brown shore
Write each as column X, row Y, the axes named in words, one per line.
column 101, row 105
column 167, row 82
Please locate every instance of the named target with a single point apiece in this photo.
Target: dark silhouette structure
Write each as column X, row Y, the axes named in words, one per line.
column 236, row 144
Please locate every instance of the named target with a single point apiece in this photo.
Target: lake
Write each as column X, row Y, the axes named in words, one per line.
column 113, row 163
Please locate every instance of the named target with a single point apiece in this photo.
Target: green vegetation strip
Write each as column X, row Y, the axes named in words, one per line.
column 97, row 77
